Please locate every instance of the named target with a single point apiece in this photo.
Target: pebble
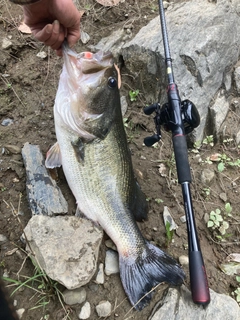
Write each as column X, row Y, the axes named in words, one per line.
column 85, row 311
column 5, row 273
column 165, row 4
column 84, row 37
column 20, row 312
column 100, row 275
column 6, row 122
column 223, row 196
column 3, row 239
column 6, row 43
column 184, row 260
column 71, row 297
column 111, row 262
column 183, row 219
column 109, row 244
column 42, row 54
column 207, row 177
column 168, row 218
column 103, row 309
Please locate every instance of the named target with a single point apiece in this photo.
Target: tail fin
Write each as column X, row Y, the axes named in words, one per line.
column 151, row 268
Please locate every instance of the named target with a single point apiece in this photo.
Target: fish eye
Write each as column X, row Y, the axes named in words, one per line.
column 112, row 82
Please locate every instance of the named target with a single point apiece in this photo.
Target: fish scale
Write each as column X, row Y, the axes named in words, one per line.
column 92, row 148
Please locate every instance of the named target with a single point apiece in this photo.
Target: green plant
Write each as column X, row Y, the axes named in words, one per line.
column 158, row 200
column 133, row 95
column 217, row 221
column 236, row 292
column 209, row 140
column 44, row 288
column 169, row 232
column 206, row 192
column 129, row 129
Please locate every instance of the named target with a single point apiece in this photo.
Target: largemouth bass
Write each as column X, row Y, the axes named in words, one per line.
column 92, row 149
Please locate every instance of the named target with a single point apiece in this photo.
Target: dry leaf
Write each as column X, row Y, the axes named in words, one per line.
column 9, row 253
column 215, row 157
column 24, row 28
column 108, row 3
column 233, row 257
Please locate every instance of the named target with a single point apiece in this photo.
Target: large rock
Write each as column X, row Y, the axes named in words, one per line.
column 66, row 248
column 178, row 305
column 44, row 196
column 204, row 42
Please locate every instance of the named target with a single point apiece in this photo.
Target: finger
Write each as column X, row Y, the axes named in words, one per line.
column 73, row 37
column 51, row 35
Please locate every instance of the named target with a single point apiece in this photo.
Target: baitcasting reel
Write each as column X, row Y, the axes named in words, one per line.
column 189, row 113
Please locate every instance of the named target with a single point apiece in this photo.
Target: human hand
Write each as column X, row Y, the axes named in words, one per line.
column 52, row 20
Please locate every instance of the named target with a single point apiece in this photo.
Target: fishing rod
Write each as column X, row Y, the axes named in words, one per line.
column 181, row 117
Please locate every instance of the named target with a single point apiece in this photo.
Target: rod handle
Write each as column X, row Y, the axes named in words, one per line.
column 198, row 278
column 181, row 158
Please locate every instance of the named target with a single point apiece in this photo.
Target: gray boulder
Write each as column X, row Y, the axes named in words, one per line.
column 204, row 41
column 178, row 305
column 44, row 196
column 204, row 38
column 66, row 248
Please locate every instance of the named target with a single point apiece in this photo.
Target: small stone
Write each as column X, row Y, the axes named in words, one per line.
column 206, row 217
column 3, row 239
column 42, row 54
column 5, row 273
column 110, row 244
column 71, row 297
column 183, row 219
column 85, row 311
column 168, row 218
column 223, row 196
column 20, row 312
column 6, row 43
column 103, row 309
column 165, row 4
column 184, row 260
column 111, row 262
column 84, row 37
column 100, row 275
column 207, row 177
column 7, row 122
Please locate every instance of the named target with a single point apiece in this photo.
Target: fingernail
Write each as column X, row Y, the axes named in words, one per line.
column 49, row 28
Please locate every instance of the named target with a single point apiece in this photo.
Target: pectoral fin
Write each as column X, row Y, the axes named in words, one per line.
column 78, row 147
column 53, row 158
column 139, row 205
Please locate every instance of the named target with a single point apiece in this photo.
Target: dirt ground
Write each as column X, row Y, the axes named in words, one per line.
column 27, row 91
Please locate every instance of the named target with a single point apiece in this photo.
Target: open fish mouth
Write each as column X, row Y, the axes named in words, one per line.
column 88, row 62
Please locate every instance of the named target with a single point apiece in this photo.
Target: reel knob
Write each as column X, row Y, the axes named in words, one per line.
column 149, row 141
column 150, row 109
column 190, row 116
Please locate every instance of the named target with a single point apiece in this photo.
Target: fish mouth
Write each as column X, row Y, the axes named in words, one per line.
column 87, row 62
